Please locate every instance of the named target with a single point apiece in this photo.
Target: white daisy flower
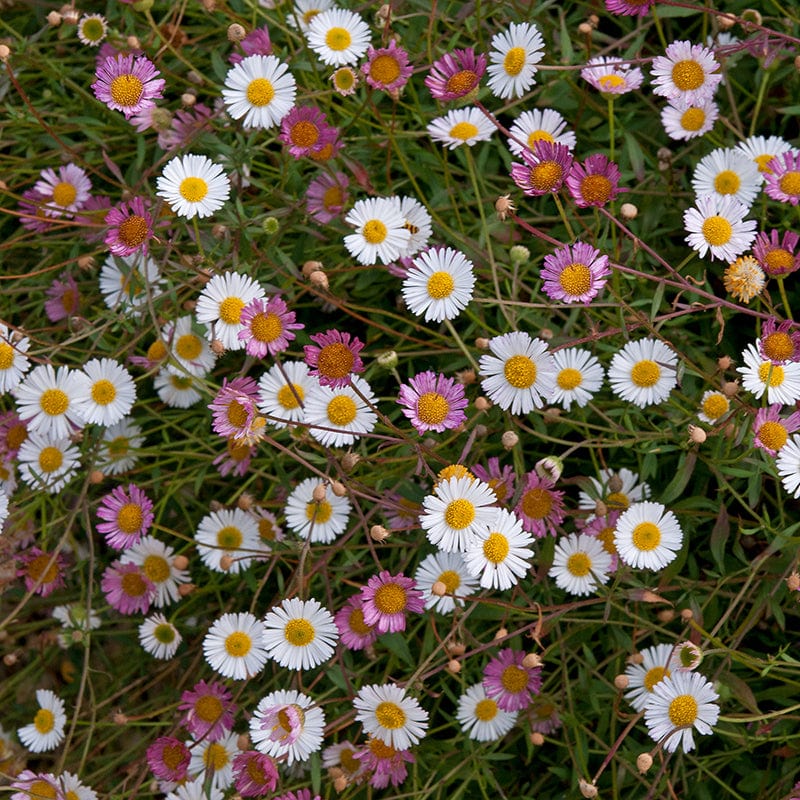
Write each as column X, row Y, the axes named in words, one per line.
column 389, row 715
column 105, row 392
column 177, row 390
column 580, row 564
column 287, row 722
column 788, row 465
column 220, row 305
column 282, row 390
column 642, row 677
column 578, row 376
column 727, row 172
column 451, row 570
column 761, row 150
column 513, row 60
column 500, row 553
column 193, row 186
column 300, row 634
column 129, row 283
column 212, row 761
column 157, row 561
column 195, row 790
column 539, row 125
column 481, row 718
column 74, row 789
column 261, row 89
column 713, row 405
column 46, row 732
column 617, row 489
column 338, row 37
column 648, row 536
column 520, row 373
column 13, row 361
column 644, row 372
column 687, row 73
column 305, row 10
column 234, row 646
column 417, row 221
column 47, row 463
column 683, row 122
column 159, row 637
column 456, row 511
column 117, row 451
column 677, row 704
column 230, row 533
column 338, row 417
column 439, row 284
column 781, row 382
column 189, row 348
column 3, row 507
column 381, row 231
column 322, row 522
column 719, row 226
column 92, row 29
column 461, row 126
column 46, row 401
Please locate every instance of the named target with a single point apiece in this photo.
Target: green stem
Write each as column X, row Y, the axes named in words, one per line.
column 464, row 349
column 610, row 101
column 563, row 215
column 762, row 88
column 659, row 29
column 197, row 238
column 782, row 289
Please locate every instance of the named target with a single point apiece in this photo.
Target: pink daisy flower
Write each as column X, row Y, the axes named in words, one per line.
column 387, row 599
column 30, row 785
column 256, row 43
column 334, row 358
column 128, row 84
column 540, row 507
column 771, row 431
column 268, row 326
column 33, row 215
column 779, row 342
column 593, row 183
column 64, row 191
column 501, row 481
column 254, row 774
column 383, row 763
column 401, row 513
column 509, row 682
column 234, row 407
column 433, row 402
column 327, row 196
column 63, row 298
column 128, row 515
column 13, row 432
column 127, row 588
column 602, row 528
column 43, row 572
column 612, row 76
column 777, row 256
column 185, row 127
column 545, row 169
column 130, row 227
column 305, row 131
column 455, row 74
column 543, row 716
column 574, row 274
column 236, row 458
column 300, row 794
column 782, row 179
column 209, row 710
column 629, row 8
column 686, row 72
column 168, row 759
column 387, row 68
column 354, row 633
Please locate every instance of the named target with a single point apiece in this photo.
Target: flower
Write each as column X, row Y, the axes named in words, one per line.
column 338, row 36
column 157, row 561
column 127, row 588
column 64, row 191
column 771, row 431
column 648, row 536
column 644, row 372
column 190, row 350
column 579, row 375
column 259, row 89
column 574, row 274
column 380, row 231
column 46, row 400
column 546, row 167
column 234, row 646
column 354, row 632
column 513, row 60
column 339, row 417
column 13, row 361
column 779, row 342
column 439, row 284
column 386, row 600
column 644, row 675
column 540, row 506
column 267, row 326
column 783, row 178
column 43, row 572
column 212, row 762
column 744, row 279
column 327, row 196
column 63, row 300
column 334, row 358
column 539, row 125
column 580, row 563
column 47, row 462
column 629, row 8
column 74, row 789
column 433, row 402
column 305, row 131
column 304, row 11
column 781, row 382
column 382, row 762
column 611, row 76
column 92, row 29
column 762, row 150
column 300, row 634
column 388, row 714
column 128, row 283
column 593, row 183
column 46, row 732
column 617, row 490
column 713, row 406
column 684, row 122
column 282, row 391
column 387, row 68
column 456, row 74
column 450, row 570
column 321, row 521
column 727, row 173
column 130, row 227
column 417, row 221
column 221, row 303
column 461, row 126
column 500, row 553
column 193, row 185
column 286, row 722
column 127, row 515
column 519, row 374
column 254, row 774
column 345, row 81
column 686, row 72
column 159, row 637
column 256, row 43
column 509, row 682
column 209, row 710
column 481, row 718
column 787, row 464
column 500, row 480
column 129, row 84
column 168, row 759
column 231, row 534
column 234, row 410
column 104, row 392
column 177, row 391
column 679, row 703
column 777, row 255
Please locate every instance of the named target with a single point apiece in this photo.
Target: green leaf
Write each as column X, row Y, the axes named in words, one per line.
column 719, row 537
column 677, row 485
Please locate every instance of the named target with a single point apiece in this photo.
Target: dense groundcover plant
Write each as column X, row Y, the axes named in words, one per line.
column 399, row 400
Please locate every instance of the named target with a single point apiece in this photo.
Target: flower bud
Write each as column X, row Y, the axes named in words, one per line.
column 588, row 790
column 320, row 493
column 96, row 476
column 338, row 488
column 482, row 343
column 643, row 762
column 439, row 588
column 482, row 403
column 621, row 682
column 311, row 266
column 793, row 582
column 724, row 362
column 537, row 739
column 519, row 254
column 453, row 666
column 509, row 440
column 501, row 633
column 349, row 461
column 387, row 360
column 730, row 388
column 320, row 280
column 504, row 206
column 628, row 211
column 585, row 29
column 236, row 32
column 532, row 660
column 379, row 534
column 549, row 467
column 697, row 434
column 54, row 19
column 180, row 562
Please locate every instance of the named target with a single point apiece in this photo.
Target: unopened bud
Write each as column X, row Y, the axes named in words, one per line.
column 797, row 63
column 340, row 783
column 320, row 493
column 697, row 434
column 180, row 562
column 54, row 19
column 615, row 484
column 509, row 440
column 549, row 467
column 379, row 534
column 546, row 333
column 338, row 488
column 243, row 741
column 349, row 461
column 311, row 266
column 600, row 509
column 643, row 762
column 387, row 360
column 752, row 15
column 185, row 589
column 793, row 582
column 628, row 211
column 584, row 29
column 482, row 343
column 86, row 262
column 724, row 362
column 537, row 740
column 439, row 588
column 532, row 660
column 635, row 658
column 501, row 633
column 687, row 614
column 456, row 648
column 134, row 43
column 217, row 347
column 219, row 231
column 226, row 562
column 245, row 501
column 667, row 615
column 188, row 99
column 551, row 415
column 320, row 280
column 621, row 682
column 270, row 226
column 519, row 254
column 118, row 718
column 96, row 476
column 480, row 431
column 236, row 32
column 504, row 206
column 594, row 20
column 466, row 376
column 9, row 659
column 726, row 21
column 454, row 666
column 730, row 388
column 70, row 14
column 482, row 403
column 587, row 789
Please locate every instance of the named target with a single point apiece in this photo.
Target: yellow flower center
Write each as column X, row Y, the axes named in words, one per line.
column 332, row 198
column 266, row 327
column 189, row 346
column 236, row 414
column 238, row 644
column 514, row 61
column 208, row 708
column 256, row 773
column 688, row 75
column 44, row 721
column 575, row 279
column 338, row 39
column 653, row 676
column 617, row 501
column 260, row 92
column 335, row 360
column 133, row 231
column 514, row 679
column 495, row 548
column 790, row 183
column 546, row 176
column 130, row 518
column 727, row 182
column 374, row 231
column 390, row 598
column 390, row 715
column 463, row 130
column 342, row 410
column 715, row 405
column 133, row 584
column 486, row 710
column 596, row 189
column 606, row 536
column 462, row 82
column 288, row 399
column 230, row 310
column 683, row 710
column 125, row 90
column 520, row 372
column 451, row 580
column 50, row 459
column 717, row 230
column 539, row 135
column 569, row 379
column 157, row 351
column 16, row 435
column 645, row 373
column 164, row 633
column 380, row 749
column 304, row 133
column 693, row 119
column 266, row 530
column 42, row 790
column 64, row 194
column 156, row 568
column 180, row 382
column 215, row 756
column 579, row 565
column 440, row 285
column 610, row 82
column 104, row 392
column 778, row 346
column 193, row 190
column 39, row 569
column 384, row 69
column 319, row 512
column 779, row 261
column 770, row 374
column 54, row 402
column 646, row 536
column 459, row 514
column 344, row 79
column 357, row 624
column 537, row 503
column 93, row 29
column 229, row 537
column 299, row 632
column 432, row 408
column 772, row 435
column 6, row 355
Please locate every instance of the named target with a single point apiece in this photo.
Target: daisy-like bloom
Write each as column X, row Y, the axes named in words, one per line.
column 305, row 131
column 267, row 326
column 388, row 714
column 33, row 211
column 334, row 357
column 158, row 562
column 777, row 255
column 234, row 646
column 402, row 514
column 42, row 572
column 433, row 402
column 220, row 306
column 212, row 762
column 74, row 789
column 345, row 81
column 713, row 406
column 644, row 372
column 686, row 656
column 46, row 732
column 46, row 400
column 338, row 36
column 543, row 716
column 256, row 43
column 617, row 490
column 383, row 763
column 500, row 480
column 259, row 89
column 539, row 125
column 209, row 710
column 63, row 299
column 283, row 390
column 686, row 72
column 300, row 634
column 92, row 29
column 546, row 167
column 168, row 759
column 456, row 511
column 611, row 76
column 228, row 533
column 602, row 528
column 461, row 126
column 117, row 450
column 188, row 347
column 648, row 536
column 417, row 222
column 322, row 521
column 781, row 382
column 644, row 673
column 127, row 515
column 744, row 279
column 762, row 150
column 380, row 231
column 594, row 183
column 194, row 185
column 540, row 506
column 629, row 8
column 788, row 465
column 128, row 283
column 129, row 84
column 580, row 564
column 13, row 361
column 127, row 588
column 387, row 68
column 578, row 376
column 500, row 553
column 481, row 718
column 519, row 374
column 13, row 432
column 342, row 756
column 684, row 701
column 288, row 723
column 771, row 431
column 783, row 177
column 354, row 632
column 48, row 463
column 64, row 191
column 327, row 196
column 388, row 598
column 254, row 774
column 30, row 785
column 130, row 227
column 234, row 406
column 339, row 417
column 178, row 391
column 105, row 392
column 184, row 127
column 508, row 681
column 159, row 637
column 727, row 172
column 450, row 570
column 574, row 274
column 455, row 74
column 194, row 790
column 514, row 58
column 439, row 284
column 779, row 342
column 684, row 122
column 304, row 11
